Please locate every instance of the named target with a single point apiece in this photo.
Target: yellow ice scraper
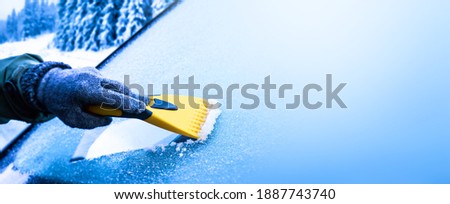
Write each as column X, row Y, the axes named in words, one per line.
column 185, row 115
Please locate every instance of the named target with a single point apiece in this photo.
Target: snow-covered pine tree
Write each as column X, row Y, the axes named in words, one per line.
column 110, row 17
column 80, row 21
column 46, row 16
column 12, row 26
column 66, row 32
column 59, row 38
column 36, row 29
column 42, row 16
column 134, row 15
column 92, row 30
column 140, row 13
column 71, row 28
column 52, row 15
column 3, row 37
column 93, row 43
column 3, row 30
column 122, row 23
column 30, row 22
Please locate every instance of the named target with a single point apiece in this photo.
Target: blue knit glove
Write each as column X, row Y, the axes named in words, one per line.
column 66, row 92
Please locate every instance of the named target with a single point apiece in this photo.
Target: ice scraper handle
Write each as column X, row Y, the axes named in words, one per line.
column 155, row 103
column 108, row 111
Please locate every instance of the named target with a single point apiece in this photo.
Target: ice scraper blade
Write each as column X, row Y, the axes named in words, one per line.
column 184, row 115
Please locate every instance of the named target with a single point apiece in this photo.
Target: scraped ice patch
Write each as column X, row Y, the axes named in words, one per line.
column 12, row 176
column 127, row 135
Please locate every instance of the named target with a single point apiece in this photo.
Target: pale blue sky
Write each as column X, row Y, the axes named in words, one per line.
column 6, row 7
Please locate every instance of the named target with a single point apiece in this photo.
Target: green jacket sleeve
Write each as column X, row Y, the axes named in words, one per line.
column 13, row 100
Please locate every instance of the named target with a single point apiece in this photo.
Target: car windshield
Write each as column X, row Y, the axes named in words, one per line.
column 381, row 131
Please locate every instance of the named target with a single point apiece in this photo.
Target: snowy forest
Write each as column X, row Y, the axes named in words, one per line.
column 81, row 24
column 37, row 17
column 97, row 24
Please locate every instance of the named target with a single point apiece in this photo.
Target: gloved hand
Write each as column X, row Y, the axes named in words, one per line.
column 65, row 93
